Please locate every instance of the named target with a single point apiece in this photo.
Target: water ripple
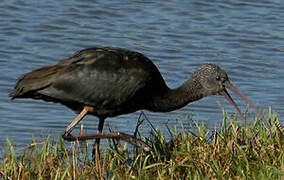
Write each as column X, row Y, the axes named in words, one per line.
column 245, row 38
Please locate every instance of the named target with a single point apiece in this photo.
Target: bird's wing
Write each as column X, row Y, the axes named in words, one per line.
column 102, row 88
column 101, row 77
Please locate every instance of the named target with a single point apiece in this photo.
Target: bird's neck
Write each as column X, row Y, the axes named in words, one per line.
column 173, row 99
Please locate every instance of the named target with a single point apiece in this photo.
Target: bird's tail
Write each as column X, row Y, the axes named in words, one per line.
column 34, row 81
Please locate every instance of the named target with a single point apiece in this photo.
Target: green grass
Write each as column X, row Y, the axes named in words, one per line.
column 233, row 152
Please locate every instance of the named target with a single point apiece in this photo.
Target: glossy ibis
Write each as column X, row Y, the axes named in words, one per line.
column 107, row 82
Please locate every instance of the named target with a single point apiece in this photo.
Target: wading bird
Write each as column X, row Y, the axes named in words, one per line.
column 107, row 82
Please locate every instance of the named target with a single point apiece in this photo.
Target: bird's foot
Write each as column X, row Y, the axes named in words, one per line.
column 68, row 137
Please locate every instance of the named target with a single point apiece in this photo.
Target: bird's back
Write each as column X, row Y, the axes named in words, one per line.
column 112, row 80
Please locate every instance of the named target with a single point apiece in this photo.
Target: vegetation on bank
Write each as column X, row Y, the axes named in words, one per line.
column 231, row 152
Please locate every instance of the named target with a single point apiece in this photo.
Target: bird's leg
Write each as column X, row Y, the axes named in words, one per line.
column 97, row 143
column 96, row 148
column 118, row 135
column 71, row 126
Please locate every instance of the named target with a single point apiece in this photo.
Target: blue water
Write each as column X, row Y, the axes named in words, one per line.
column 244, row 38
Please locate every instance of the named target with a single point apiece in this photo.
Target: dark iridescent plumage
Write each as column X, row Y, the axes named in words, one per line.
column 113, row 81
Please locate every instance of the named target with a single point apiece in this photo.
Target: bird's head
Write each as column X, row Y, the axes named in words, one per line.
column 213, row 80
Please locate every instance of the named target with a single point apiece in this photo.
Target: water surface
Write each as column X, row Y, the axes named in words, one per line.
column 244, row 38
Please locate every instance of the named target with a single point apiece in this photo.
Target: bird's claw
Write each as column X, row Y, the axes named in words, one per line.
column 67, row 137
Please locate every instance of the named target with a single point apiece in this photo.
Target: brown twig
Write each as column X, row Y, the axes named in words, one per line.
column 139, row 122
column 149, row 122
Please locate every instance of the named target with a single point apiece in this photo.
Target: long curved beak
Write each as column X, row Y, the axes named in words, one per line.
column 238, row 92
